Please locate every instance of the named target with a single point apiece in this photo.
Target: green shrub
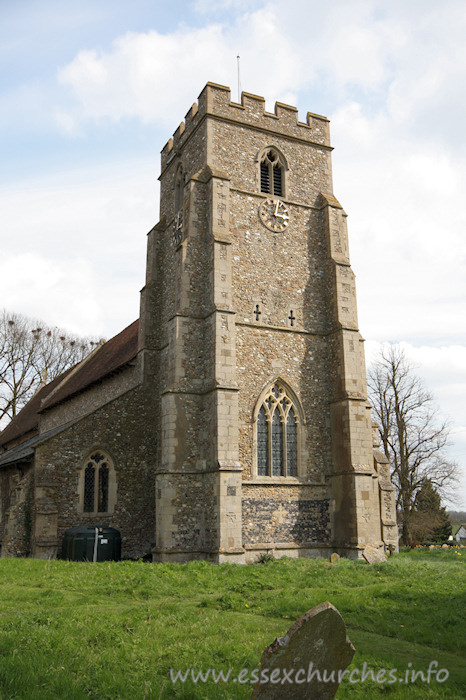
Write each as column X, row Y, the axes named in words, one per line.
column 265, row 558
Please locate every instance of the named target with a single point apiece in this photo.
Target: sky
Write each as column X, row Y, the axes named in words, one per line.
column 92, row 90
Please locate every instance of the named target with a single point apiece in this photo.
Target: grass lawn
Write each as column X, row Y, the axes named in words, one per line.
column 114, row 630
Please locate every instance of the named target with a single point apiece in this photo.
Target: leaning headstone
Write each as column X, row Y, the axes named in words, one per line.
column 308, row 662
column 373, row 555
column 391, row 549
column 334, row 557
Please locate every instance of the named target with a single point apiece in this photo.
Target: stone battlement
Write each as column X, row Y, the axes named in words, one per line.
column 215, row 101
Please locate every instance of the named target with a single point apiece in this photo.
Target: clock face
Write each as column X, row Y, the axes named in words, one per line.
column 177, row 232
column 274, row 214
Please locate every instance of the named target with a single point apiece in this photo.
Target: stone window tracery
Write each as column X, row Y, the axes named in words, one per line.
column 97, row 484
column 277, row 433
column 272, row 173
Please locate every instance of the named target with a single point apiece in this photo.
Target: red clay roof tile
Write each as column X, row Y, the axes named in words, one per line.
column 109, row 358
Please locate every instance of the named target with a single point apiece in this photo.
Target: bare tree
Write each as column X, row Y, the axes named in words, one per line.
column 413, row 436
column 31, row 354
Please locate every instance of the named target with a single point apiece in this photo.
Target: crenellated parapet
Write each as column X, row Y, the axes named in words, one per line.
column 215, row 101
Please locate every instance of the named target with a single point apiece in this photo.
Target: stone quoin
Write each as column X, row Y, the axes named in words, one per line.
column 232, row 418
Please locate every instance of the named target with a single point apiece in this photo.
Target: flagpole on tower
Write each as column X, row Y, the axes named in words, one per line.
column 239, row 80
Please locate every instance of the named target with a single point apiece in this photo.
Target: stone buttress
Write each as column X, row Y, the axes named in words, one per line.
column 235, row 312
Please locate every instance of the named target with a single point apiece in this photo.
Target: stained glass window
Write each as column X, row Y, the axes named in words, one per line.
column 96, row 484
column 262, row 443
column 291, row 445
column 277, row 445
column 277, row 429
column 89, row 486
column 103, row 489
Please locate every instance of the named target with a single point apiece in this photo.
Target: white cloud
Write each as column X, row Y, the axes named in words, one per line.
column 357, row 51
column 75, row 252
column 443, row 369
column 426, row 87
column 148, row 75
column 390, row 76
column 207, row 7
column 406, row 229
column 67, row 123
column 399, row 181
column 407, row 59
column 144, row 75
column 31, row 283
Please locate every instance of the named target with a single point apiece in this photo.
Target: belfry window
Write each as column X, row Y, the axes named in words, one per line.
column 97, row 484
column 277, row 434
column 272, row 173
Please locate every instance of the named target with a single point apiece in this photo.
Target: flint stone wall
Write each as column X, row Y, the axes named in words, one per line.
column 121, row 429
column 274, row 519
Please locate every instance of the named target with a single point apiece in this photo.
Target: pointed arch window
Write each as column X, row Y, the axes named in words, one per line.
column 272, row 173
column 97, row 489
column 277, row 433
column 262, row 442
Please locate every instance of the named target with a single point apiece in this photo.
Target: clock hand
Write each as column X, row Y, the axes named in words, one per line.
column 276, row 208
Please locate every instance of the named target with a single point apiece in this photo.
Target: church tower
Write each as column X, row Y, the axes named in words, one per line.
column 249, row 347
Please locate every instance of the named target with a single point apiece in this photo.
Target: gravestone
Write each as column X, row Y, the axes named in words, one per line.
column 308, row 661
column 373, row 555
column 334, row 557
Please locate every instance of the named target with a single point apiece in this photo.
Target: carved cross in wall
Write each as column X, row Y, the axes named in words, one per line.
column 291, row 318
column 257, row 312
column 280, row 514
